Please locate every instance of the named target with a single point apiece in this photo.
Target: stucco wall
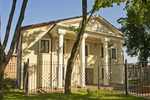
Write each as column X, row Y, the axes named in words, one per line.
column 30, row 49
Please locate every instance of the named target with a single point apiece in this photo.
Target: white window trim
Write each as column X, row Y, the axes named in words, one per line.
column 116, row 53
column 56, row 47
column 88, row 49
column 49, row 45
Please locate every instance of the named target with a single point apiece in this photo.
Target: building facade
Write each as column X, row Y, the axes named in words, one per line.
column 48, row 47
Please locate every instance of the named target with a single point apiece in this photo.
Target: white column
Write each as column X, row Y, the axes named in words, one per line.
column 121, row 60
column 82, row 59
column 60, row 56
column 105, row 46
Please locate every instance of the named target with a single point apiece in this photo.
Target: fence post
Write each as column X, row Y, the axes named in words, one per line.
column 25, row 83
column 141, row 71
column 24, row 76
column 98, row 78
column 126, row 77
column 27, row 76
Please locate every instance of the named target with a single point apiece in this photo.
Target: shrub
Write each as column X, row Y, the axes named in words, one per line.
column 9, row 83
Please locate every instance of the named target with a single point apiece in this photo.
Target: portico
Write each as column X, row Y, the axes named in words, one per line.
column 100, row 39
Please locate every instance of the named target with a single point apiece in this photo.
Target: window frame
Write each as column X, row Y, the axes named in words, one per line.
column 49, row 45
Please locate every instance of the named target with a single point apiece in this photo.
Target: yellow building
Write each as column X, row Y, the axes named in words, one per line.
column 48, row 46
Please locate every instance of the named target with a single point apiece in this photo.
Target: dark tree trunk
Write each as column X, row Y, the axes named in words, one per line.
column 2, row 59
column 1, row 84
column 5, row 59
column 75, row 49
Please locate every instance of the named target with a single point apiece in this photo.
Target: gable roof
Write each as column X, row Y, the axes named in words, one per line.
column 60, row 20
column 50, row 22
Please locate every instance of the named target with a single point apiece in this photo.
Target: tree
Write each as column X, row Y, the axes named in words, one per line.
column 137, row 27
column 81, row 29
column 3, row 58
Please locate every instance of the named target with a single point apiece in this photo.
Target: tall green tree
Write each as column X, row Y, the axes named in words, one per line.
column 137, row 27
column 4, row 59
column 96, row 7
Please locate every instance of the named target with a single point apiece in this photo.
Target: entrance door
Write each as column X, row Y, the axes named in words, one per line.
column 89, row 76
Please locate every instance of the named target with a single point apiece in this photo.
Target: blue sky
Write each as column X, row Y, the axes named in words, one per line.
column 39, row 11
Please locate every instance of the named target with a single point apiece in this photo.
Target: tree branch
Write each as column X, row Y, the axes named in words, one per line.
column 17, row 32
column 92, row 11
column 9, row 24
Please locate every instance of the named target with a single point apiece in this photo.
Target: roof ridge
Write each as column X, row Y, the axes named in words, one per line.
column 50, row 22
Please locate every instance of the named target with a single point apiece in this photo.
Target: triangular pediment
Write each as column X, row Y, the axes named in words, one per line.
column 96, row 24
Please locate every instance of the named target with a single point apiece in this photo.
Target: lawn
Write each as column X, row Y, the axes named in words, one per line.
column 90, row 95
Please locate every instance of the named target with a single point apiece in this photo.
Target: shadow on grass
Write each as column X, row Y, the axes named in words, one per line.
column 95, row 95
column 18, row 94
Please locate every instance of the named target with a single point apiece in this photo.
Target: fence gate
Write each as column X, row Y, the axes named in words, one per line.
column 138, row 80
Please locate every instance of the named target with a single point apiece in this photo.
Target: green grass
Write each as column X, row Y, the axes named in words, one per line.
column 90, row 95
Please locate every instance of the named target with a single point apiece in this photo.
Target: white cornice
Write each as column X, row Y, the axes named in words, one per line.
column 93, row 33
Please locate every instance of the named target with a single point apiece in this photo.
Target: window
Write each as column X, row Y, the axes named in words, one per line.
column 102, row 52
column 102, row 73
column 44, row 48
column 86, row 50
column 113, row 53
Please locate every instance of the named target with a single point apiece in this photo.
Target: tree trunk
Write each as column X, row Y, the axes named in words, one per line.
column 74, row 49
column 4, row 60
column 1, row 83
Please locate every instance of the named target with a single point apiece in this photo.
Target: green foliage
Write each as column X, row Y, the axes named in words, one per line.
column 99, row 94
column 105, row 3
column 9, row 84
column 137, row 27
column 76, row 29
column 96, row 7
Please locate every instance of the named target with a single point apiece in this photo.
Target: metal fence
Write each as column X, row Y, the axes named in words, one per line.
column 43, row 78
column 139, row 80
